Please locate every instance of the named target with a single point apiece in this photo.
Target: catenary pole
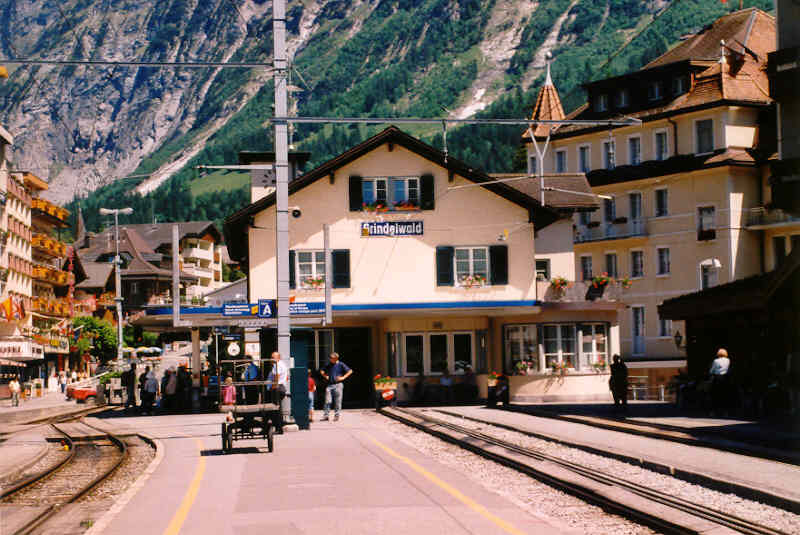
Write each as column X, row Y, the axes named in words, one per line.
column 118, row 287
column 280, row 65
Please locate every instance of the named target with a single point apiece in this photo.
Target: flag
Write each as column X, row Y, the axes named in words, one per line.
column 7, row 307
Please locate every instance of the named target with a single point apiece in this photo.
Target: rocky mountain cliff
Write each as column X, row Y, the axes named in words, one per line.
column 83, row 127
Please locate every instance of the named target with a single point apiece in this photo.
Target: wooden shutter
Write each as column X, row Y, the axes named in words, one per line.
column 341, row 268
column 498, row 264
column 444, row 266
column 427, row 194
column 292, row 276
column 356, row 195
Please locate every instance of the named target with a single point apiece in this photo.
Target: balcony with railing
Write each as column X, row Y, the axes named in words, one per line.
column 49, row 246
column 618, row 229
column 51, row 306
column 198, row 270
column 579, row 291
column 46, row 210
column 52, row 275
column 763, row 217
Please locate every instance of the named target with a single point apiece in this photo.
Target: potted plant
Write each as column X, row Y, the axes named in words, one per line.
column 521, row 367
column 384, row 383
column 559, row 284
column 559, row 368
column 493, row 378
column 599, row 365
column 625, row 282
column 601, row 280
column 473, row 281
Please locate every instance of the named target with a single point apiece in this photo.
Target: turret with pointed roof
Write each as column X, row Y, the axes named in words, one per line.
column 80, row 229
column 547, row 107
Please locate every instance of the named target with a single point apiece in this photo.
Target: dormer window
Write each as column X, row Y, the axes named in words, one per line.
column 601, row 102
column 655, row 90
column 621, row 99
column 680, row 85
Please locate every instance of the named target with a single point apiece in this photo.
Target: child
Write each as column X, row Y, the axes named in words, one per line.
column 228, row 392
column 312, row 387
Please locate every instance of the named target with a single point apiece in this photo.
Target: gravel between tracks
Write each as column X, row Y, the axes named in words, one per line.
column 727, row 503
column 538, row 499
column 140, row 453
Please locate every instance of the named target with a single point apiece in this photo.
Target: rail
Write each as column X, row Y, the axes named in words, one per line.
column 490, row 447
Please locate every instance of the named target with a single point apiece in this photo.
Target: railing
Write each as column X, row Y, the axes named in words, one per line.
column 51, row 209
column 197, row 252
column 579, row 291
column 53, row 276
column 762, row 216
column 48, row 245
column 622, row 228
column 641, row 392
column 194, row 269
column 52, row 307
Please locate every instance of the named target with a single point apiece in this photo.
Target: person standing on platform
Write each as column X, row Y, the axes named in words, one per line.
column 251, row 373
column 62, row 380
column 278, row 383
column 719, row 381
column 129, row 382
column 619, row 383
column 142, row 381
column 335, row 372
column 15, row 390
column 149, row 392
column 312, row 388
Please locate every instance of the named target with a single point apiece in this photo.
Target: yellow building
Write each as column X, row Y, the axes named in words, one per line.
column 687, row 202
column 434, row 268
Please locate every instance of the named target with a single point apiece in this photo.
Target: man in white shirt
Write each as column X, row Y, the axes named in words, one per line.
column 719, row 381
column 278, row 382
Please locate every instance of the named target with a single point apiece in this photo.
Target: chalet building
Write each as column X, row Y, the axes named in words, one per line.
column 200, row 256
column 143, row 281
column 434, row 268
column 687, row 207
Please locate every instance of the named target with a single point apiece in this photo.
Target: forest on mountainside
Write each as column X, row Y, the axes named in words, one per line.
column 348, row 75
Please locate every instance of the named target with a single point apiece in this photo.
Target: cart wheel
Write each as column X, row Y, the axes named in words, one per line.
column 271, row 439
column 224, row 435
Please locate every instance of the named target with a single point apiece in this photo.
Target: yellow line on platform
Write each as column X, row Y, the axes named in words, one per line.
column 466, row 500
column 179, row 518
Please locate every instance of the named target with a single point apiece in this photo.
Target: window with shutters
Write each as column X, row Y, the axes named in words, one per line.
column 635, row 150
column 637, row 264
column 390, row 193
column 310, row 267
column 472, row 266
column 609, row 148
column 611, row 265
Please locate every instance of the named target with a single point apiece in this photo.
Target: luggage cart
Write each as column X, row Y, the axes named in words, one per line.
column 256, row 412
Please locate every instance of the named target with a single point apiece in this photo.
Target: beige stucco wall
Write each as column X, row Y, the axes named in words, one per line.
column 554, row 243
column 396, row 270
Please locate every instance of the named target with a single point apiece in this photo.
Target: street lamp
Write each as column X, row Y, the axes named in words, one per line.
column 117, row 278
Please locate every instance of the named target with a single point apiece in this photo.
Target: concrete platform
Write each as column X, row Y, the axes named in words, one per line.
column 20, row 452
column 769, row 477
column 340, row 477
column 50, row 404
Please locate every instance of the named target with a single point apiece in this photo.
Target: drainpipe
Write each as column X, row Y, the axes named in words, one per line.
column 674, row 136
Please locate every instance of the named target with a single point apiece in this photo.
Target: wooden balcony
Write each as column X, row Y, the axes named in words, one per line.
column 51, row 213
column 49, row 246
column 51, row 306
column 52, row 275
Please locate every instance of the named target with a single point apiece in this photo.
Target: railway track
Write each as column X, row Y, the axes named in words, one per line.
column 87, row 465
column 666, row 513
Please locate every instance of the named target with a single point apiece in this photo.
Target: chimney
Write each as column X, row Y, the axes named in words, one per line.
column 262, row 182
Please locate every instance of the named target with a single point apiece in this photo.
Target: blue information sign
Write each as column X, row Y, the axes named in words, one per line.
column 266, row 308
column 236, row 309
column 302, row 309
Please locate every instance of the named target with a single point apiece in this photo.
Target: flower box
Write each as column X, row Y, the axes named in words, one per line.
column 472, row 281
column 386, row 386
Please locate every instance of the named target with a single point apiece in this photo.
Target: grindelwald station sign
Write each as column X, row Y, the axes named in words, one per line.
column 391, row 229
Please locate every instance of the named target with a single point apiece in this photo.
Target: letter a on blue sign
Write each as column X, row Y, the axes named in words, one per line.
column 265, row 307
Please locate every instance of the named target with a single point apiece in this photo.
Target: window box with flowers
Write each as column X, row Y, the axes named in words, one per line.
column 625, row 282
column 472, row 281
column 377, row 206
column 599, row 365
column 313, row 283
column 559, row 368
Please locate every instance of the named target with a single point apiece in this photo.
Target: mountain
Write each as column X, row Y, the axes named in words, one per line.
column 87, row 128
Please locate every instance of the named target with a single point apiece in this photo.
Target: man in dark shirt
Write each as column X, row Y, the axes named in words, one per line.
column 335, row 372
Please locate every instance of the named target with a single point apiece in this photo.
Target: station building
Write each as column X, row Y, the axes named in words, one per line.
column 435, row 268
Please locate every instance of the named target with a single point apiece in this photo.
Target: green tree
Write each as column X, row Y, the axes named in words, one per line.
column 98, row 337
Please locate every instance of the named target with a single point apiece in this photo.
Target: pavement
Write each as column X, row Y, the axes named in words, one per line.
column 770, row 477
column 339, row 477
column 50, row 403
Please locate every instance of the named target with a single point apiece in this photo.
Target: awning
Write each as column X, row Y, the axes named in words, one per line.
column 711, row 262
column 6, row 362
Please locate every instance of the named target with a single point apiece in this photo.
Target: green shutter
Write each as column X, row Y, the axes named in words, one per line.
column 356, row 195
column 292, row 277
column 427, row 194
column 444, row 266
column 498, row 264
column 341, row 268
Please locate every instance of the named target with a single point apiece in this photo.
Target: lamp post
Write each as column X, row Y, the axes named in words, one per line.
column 117, row 277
